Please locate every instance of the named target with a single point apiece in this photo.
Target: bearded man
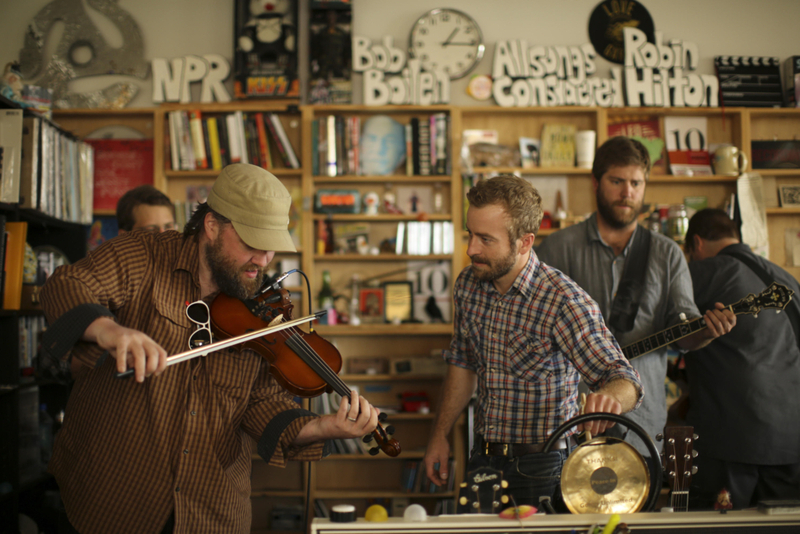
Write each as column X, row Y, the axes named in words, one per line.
column 170, row 451
column 639, row 278
column 524, row 334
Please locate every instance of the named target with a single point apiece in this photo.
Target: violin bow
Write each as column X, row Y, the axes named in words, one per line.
column 219, row 345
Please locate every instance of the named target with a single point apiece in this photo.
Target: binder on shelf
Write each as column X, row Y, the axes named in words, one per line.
column 198, row 143
column 284, row 146
column 264, row 156
column 31, row 154
column 10, row 154
column 213, row 142
column 16, row 234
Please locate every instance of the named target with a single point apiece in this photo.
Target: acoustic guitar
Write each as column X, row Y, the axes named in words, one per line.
column 677, row 458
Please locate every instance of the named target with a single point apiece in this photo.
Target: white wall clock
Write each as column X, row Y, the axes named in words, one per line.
column 447, row 39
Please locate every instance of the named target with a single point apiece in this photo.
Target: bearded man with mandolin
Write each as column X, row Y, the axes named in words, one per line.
column 169, row 450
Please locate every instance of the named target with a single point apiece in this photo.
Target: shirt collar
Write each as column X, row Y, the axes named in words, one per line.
column 189, row 258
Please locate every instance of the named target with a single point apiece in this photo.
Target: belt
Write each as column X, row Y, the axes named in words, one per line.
column 521, row 449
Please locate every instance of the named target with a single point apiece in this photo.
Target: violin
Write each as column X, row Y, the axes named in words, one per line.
column 303, row 363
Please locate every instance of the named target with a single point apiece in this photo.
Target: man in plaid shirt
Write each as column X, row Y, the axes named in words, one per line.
column 524, row 335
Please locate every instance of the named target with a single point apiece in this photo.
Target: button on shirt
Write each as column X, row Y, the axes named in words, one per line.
column 528, row 349
column 129, row 453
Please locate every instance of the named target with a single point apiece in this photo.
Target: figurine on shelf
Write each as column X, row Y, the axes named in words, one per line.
column 11, row 84
column 723, row 500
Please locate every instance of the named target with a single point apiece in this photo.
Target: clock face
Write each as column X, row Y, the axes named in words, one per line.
column 448, row 40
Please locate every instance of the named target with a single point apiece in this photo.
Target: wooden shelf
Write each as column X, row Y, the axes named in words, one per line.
column 382, row 179
column 381, row 257
column 777, row 172
column 783, row 211
column 672, row 179
column 548, row 171
column 381, row 217
column 384, row 329
column 211, row 173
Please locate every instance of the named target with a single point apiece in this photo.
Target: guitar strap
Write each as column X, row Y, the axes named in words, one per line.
column 629, row 292
column 752, row 263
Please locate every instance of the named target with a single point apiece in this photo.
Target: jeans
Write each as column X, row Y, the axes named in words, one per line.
column 529, row 476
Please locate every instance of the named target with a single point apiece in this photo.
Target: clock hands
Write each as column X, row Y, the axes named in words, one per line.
column 447, row 42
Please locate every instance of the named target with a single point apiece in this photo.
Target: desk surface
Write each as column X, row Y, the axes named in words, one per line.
column 750, row 521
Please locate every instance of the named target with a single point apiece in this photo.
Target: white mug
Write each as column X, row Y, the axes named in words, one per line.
column 585, row 141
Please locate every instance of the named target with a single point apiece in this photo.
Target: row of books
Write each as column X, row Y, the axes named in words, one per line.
column 424, row 237
column 341, row 144
column 30, row 333
column 414, row 478
column 45, row 168
column 198, row 142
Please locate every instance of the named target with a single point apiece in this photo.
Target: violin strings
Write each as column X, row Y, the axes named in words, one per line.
column 315, row 361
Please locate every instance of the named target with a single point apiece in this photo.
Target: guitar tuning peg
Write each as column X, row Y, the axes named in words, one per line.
column 694, row 469
column 659, row 437
column 373, row 451
column 695, row 437
column 695, row 454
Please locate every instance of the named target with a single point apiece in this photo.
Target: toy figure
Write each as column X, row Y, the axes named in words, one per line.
column 11, row 84
column 723, row 500
column 268, row 37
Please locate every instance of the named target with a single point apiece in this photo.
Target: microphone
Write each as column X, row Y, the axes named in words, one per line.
column 276, row 284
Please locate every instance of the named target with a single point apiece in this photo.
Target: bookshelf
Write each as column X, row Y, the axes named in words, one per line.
column 24, row 382
column 334, row 479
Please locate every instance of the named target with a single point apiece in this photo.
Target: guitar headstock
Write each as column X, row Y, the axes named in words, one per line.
column 482, row 492
column 677, row 458
column 775, row 296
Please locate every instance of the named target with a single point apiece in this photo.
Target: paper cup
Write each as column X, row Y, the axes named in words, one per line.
column 585, row 141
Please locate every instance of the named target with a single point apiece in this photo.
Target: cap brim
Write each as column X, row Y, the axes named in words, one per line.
column 279, row 240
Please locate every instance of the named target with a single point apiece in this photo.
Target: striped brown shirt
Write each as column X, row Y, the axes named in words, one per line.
column 129, row 454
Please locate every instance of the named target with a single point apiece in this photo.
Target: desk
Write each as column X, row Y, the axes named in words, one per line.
column 743, row 521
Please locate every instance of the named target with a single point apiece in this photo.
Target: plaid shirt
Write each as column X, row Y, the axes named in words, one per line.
column 528, row 347
column 129, row 454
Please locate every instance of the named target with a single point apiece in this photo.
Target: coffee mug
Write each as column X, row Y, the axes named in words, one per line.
column 729, row 161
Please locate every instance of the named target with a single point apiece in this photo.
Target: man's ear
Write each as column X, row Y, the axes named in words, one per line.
column 211, row 227
column 527, row 243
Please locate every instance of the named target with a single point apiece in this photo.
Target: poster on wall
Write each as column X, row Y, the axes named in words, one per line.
column 265, row 49
column 331, row 56
column 119, row 166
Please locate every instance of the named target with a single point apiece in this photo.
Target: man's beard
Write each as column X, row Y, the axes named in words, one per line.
column 606, row 210
column 496, row 269
column 228, row 276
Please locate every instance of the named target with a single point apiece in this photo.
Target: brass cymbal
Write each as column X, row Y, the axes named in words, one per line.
column 605, row 476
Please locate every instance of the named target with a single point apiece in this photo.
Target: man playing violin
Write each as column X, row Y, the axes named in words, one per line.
column 170, row 451
column 524, row 334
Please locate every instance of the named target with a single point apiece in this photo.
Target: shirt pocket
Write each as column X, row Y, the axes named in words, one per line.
column 226, row 370
column 529, row 359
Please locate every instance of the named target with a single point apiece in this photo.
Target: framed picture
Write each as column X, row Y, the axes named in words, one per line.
column 370, row 304
column 790, row 196
column 398, row 304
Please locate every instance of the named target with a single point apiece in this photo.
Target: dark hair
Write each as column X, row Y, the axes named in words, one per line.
column 710, row 224
column 620, row 151
column 516, row 196
column 195, row 223
column 144, row 194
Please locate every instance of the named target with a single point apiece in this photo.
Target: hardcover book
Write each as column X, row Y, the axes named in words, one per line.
column 687, row 146
column 646, row 131
column 558, row 145
column 120, row 165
